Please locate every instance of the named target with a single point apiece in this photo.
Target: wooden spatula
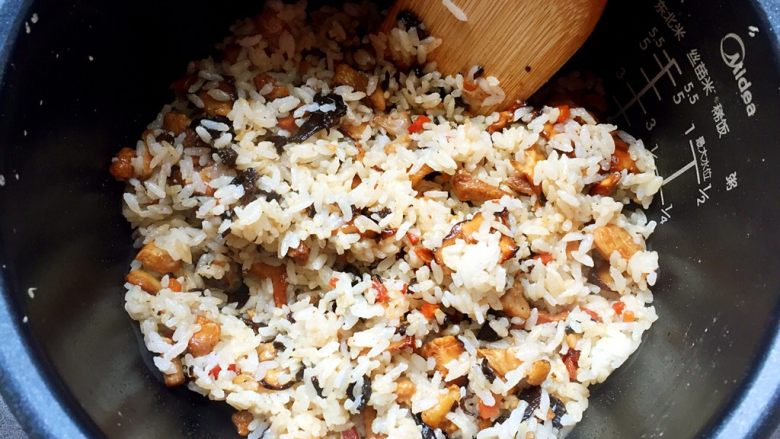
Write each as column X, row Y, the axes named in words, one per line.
column 520, row 42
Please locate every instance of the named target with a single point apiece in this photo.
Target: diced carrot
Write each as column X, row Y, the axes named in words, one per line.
column 429, row 310
column 417, row 125
column 563, row 113
column 469, row 85
column 381, row 290
column 233, row 368
column 425, row 254
column 545, row 257
column 628, row 316
column 413, row 239
column 618, row 306
column 571, row 360
column 488, row 411
column 405, row 289
column 287, row 124
column 333, row 281
column 174, row 285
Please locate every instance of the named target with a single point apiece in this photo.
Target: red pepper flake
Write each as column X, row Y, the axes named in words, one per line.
column 405, row 289
column 233, row 368
column 417, row 125
column 214, row 373
column 563, row 113
column 429, row 310
column 413, row 239
column 592, row 314
column 381, row 290
column 618, row 306
column 545, row 258
column 571, row 359
column 333, row 281
column 352, row 433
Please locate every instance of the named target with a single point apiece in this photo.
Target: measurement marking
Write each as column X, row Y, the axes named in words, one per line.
column 665, row 70
column 658, row 95
column 688, row 131
column 693, row 153
column 638, row 100
column 679, row 172
column 662, row 196
column 625, row 116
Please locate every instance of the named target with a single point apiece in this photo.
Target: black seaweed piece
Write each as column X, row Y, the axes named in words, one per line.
column 454, row 317
column 317, row 388
column 228, row 156
column 248, row 179
column 165, row 137
column 270, row 195
column 311, row 211
column 299, row 375
column 486, row 333
column 240, row 295
column 270, row 386
column 490, row 375
column 533, row 396
column 354, row 271
column 279, row 346
column 418, row 71
column 373, row 214
column 426, row 431
column 365, row 394
column 479, row 72
column 408, row 19
column 318, row 120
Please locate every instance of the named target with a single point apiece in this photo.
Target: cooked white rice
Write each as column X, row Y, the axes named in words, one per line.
column 368, row 280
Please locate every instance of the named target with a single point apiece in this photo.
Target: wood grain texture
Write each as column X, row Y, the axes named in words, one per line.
column 521, row 42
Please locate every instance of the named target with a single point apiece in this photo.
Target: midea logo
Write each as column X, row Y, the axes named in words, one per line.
column 732, row 50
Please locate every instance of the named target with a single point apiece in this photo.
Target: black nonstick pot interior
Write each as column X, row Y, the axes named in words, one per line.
column 698, row 81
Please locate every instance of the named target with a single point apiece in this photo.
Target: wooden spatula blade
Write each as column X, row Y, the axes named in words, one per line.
column 520, row 42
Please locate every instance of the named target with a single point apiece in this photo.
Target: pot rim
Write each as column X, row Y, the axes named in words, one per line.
column 45, row 408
